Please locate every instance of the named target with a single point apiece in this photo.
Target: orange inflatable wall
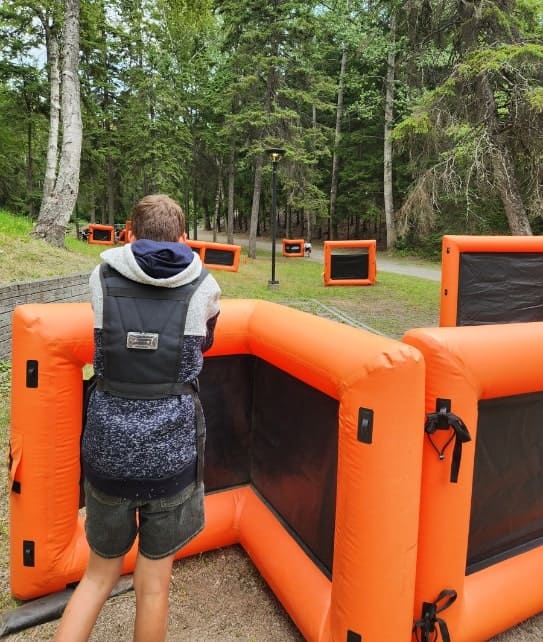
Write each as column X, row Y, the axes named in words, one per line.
column 470, row 366
column 501, row 284
column 217, row 256
column 378, row 386
column 361, row 266
column 293, row 247
column 123, row 235
column 101, row 234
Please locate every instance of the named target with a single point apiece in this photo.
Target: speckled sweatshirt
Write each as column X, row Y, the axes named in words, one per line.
column 146, row 448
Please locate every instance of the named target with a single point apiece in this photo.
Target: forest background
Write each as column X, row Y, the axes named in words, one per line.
column 401, row 120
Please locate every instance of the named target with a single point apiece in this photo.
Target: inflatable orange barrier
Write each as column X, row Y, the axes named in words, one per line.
column 123, row 234
column 217, row 256
column 324, row 501
column 491, row 279
column 349, row 262
column 480, row 552
column 101, row 234
column 293, row 247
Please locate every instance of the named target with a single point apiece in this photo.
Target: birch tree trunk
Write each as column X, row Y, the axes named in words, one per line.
column 52, row 49
column 58, row 206
column 387, row 152
column 332, row 223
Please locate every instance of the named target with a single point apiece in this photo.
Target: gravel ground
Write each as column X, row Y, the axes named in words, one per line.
column 216, row 596
column 220, row 597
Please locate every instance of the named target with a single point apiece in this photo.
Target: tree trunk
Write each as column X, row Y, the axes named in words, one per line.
column 507, row 186
column 503, row 167
column 253, row 223
column 389, row 118
column 218, row 198
column 30, row 163
column 231, row 186
column 52, row 49
column 110, row 178
column 332, row 223
column 58, row 206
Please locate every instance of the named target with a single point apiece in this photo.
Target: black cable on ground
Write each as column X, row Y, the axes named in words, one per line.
column 47, row 608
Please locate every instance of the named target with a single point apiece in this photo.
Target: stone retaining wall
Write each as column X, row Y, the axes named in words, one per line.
column 51, row 290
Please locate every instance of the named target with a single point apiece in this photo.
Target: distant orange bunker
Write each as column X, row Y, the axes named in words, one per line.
column 349, row 262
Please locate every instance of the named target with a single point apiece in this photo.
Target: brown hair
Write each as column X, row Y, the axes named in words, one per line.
column 158, row 218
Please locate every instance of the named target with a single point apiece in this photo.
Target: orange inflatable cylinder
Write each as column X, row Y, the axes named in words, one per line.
column 46, row 390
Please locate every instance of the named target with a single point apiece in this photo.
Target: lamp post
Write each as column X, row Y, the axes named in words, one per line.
column 275, row 153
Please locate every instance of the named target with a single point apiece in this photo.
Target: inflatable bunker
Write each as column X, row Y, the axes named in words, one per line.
column 491, row 279
column 293, row 247
column 314, row 453
column 217, row 256
column 101, row 234
column 349, row 262
column 480, row 551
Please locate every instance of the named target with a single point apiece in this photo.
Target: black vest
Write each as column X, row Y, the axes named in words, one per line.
column 143, row 332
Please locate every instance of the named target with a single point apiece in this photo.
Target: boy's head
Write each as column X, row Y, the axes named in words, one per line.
column 158, row 218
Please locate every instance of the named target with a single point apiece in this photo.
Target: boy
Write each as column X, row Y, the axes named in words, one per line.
column 155, row 310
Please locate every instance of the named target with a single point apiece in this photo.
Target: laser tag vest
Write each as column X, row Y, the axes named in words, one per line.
column 143, row 334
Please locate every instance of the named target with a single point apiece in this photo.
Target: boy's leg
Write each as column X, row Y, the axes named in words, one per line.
column 88, row 598
column 152, row 586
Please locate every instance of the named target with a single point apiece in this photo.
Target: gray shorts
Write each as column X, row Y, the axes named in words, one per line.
column 164, row 525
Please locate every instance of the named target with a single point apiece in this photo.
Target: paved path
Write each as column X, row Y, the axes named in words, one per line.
column 408, row 267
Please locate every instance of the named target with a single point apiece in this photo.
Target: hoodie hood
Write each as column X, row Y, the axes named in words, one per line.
column 162, row 259
column 160, row 263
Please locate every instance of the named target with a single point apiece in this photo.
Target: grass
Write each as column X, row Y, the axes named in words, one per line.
column 392, row 306
column 23, row 258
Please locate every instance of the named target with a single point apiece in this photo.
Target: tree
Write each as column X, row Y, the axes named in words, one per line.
column 57, row 207
column 389, row 123
column 479, row 130
column 270, row 51
column 337, row 138
column 22, row 80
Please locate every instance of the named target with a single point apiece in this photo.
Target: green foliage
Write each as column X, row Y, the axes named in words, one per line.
column 535, row 99
column 503, row 57
column 174, row 91
column 419, row 123
column 14, row 226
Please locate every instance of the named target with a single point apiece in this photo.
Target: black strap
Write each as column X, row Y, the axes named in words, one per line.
column 144, row 390
column 444, row 419
column 193, row 389
column 429, row 625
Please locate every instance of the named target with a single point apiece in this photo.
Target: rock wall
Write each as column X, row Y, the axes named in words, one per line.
column 50, row 290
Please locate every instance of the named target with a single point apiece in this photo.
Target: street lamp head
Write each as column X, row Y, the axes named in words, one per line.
column 275, row 153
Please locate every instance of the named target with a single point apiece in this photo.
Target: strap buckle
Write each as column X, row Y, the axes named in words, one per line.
column 429, row 620
column 444, row 419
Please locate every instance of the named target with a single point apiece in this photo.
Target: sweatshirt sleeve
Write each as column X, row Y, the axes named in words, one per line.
column 96, row 297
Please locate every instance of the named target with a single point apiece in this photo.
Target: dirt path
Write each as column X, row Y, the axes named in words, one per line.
column 409, row 267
